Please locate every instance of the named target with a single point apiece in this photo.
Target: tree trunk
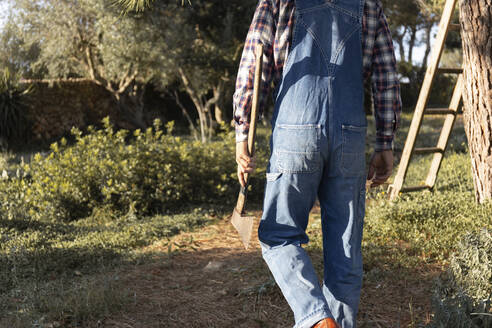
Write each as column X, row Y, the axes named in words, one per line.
column 202, row 107
column 219, row 114
column 218, row 96
column 411, row 44
column 218, row 106
column 398, row 38
column 401, row 48
column 131, row 109
column 476, row 28
column 428, row 47
column 193, row 129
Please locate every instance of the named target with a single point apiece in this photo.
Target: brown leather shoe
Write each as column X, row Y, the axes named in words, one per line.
column 326, row 323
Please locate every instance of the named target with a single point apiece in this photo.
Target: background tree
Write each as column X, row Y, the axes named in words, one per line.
column 89, row 39
column 15, row 56
column 196, row 47
column 476, row 29
column 206, row 54
column 410, row 27
column 452, row 54
column 413, row 25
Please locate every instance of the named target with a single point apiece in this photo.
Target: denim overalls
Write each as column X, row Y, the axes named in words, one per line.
column 317, row 151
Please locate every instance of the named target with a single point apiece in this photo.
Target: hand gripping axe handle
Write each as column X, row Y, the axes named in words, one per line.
column 244, row 224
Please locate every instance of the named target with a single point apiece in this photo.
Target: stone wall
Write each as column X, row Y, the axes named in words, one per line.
column 55, row 106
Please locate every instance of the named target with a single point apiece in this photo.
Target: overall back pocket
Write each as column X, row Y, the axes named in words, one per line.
column 353, row 161
column 296, row 148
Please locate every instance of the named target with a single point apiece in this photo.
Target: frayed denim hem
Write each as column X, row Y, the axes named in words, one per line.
column 314, row 317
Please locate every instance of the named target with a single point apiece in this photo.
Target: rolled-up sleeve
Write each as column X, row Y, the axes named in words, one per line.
column 262, row 30
column 385, row 87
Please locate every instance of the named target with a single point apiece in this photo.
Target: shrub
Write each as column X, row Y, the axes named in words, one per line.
column 148, row 172
column 463, row 295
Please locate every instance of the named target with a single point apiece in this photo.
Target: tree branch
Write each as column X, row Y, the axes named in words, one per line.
column 90, row 63
column 185, row 113
column 216, row 96
column 189, row 89
column 127, row 81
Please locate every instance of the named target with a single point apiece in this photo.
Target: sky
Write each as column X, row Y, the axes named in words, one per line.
column 3, row 11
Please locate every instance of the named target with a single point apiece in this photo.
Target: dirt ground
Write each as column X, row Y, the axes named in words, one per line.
column 214, row 282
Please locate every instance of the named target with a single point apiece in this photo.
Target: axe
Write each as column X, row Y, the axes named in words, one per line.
column 244, row 224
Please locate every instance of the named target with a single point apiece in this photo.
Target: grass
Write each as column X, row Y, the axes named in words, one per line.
column 428, row 223
column 67, row 274
column 58, row 272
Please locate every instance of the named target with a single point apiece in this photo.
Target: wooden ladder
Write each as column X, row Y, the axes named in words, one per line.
column 421, row 109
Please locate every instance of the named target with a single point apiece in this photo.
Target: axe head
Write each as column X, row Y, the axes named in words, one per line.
column 244, row 226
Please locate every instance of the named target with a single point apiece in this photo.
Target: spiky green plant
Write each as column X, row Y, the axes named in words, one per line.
column 13, row 119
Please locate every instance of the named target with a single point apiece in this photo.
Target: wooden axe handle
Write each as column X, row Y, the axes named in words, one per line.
column 252, row 125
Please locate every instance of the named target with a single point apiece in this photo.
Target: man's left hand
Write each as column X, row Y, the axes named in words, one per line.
column 380, row 167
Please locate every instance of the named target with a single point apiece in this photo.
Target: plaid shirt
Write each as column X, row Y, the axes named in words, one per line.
column 272, row 25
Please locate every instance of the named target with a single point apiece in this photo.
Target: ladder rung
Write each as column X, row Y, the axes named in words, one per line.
column 427, row 150
column 415, row 188
column 439, row 111
column 454, row 27
column 449, row 70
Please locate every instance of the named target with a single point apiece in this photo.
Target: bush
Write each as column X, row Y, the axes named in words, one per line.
column 463, row 295
column 149, row 172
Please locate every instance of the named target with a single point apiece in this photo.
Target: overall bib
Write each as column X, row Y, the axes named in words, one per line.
column 318, row 151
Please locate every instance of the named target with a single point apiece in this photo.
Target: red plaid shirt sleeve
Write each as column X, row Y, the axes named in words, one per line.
column 262, row 30
column 380, row 65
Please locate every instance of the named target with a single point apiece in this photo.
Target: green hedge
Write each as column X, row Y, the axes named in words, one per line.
column 147, row 172
column 463, row 295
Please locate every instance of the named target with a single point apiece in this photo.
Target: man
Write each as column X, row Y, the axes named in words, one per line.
column 317, row 54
